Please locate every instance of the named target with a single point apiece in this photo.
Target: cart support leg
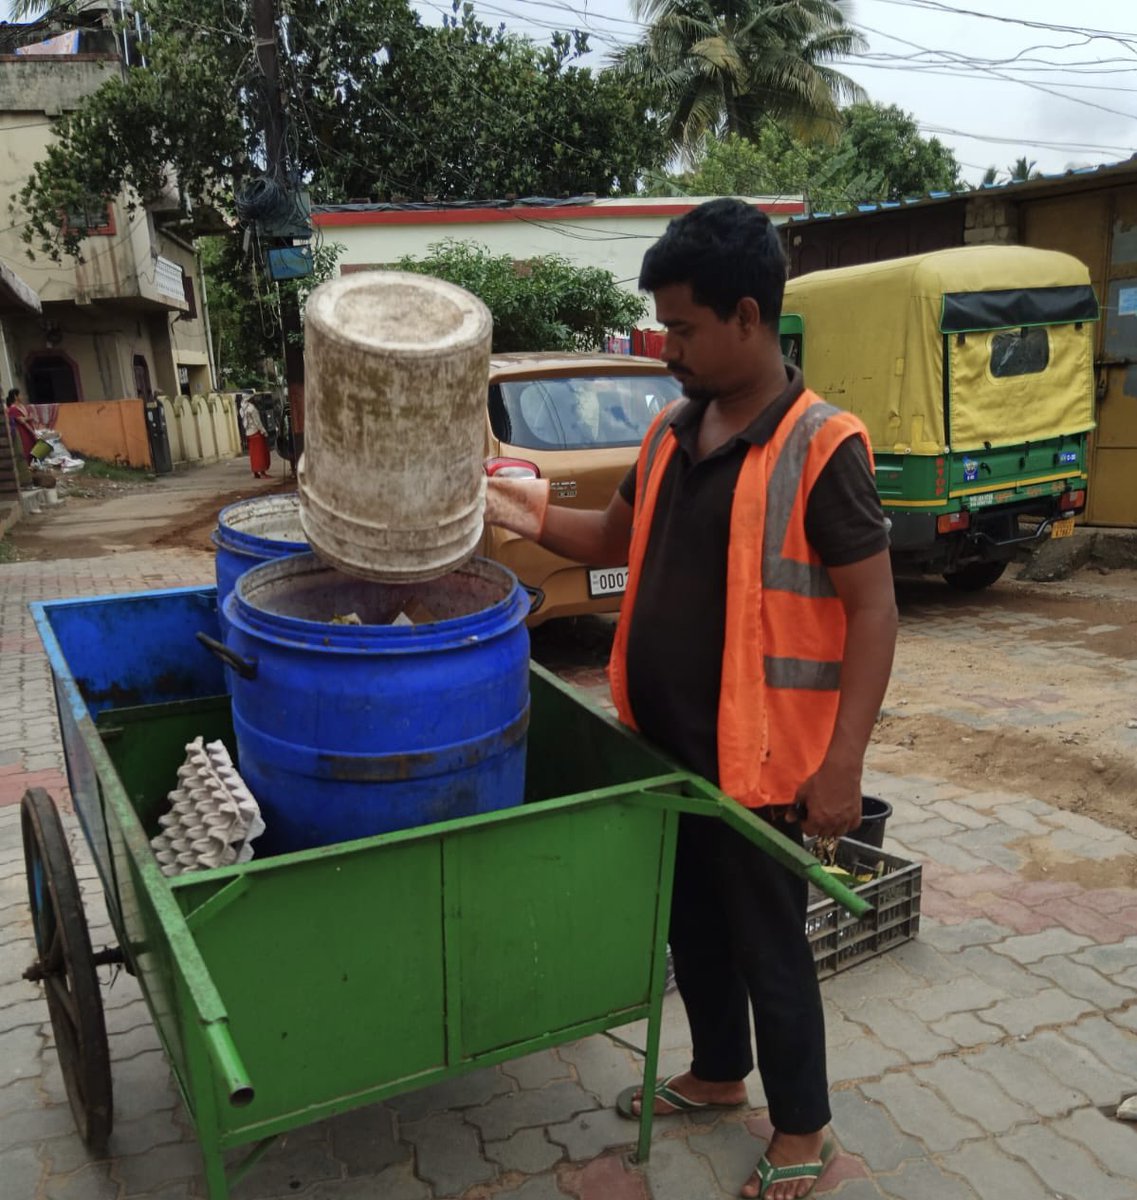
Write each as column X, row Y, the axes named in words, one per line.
column 658, row 981
column 216, row 1181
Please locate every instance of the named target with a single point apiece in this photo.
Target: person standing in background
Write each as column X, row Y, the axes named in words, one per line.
column 257, row 437
column 21, row 423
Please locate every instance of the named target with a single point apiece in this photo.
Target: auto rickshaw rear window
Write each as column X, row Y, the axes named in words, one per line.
column 1019, row 352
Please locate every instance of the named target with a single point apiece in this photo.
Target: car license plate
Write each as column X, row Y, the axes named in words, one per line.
column 1063, row 528
column 607, row 581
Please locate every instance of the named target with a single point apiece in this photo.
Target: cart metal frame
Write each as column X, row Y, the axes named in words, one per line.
column 289, row 989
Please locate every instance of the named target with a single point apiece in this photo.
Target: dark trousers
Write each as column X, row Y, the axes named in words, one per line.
column 738, row 942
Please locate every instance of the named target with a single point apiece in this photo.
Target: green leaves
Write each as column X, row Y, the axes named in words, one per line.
column 718, row 67
column 542, row 303
column 879, row 155
column 380, row 107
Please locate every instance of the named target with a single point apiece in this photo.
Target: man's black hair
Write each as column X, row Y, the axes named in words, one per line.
column 726, row 250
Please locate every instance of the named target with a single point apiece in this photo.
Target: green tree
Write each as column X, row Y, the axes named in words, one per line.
column 380, row 106
column 1023, row 169
column 244, row 307
column 880, row 155
column 544, row 303
column 728, row 66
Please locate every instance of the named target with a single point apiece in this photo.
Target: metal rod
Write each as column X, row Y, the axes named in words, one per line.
column 227, row 1060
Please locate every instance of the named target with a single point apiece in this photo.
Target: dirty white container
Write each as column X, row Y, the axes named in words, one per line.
column 392, row 484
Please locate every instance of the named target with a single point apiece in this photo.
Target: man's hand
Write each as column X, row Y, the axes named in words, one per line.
column 829, row 801
column 518, row 505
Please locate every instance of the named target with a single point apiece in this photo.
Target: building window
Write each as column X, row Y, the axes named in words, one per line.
column 93, row 219
column 191, row 300
column 52, row 379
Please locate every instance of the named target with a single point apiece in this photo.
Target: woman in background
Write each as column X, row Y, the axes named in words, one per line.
column 21, row 423
column 256, row 436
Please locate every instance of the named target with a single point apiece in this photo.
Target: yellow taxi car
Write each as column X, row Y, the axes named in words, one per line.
column 576, row 420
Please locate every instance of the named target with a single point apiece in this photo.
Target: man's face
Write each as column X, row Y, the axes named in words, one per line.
column 708, row 355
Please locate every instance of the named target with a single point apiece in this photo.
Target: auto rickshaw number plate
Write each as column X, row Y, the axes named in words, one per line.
column 1063, row 528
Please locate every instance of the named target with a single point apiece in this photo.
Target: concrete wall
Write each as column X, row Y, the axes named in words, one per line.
column 113, row 430
column 610, row 234
column 202, row 428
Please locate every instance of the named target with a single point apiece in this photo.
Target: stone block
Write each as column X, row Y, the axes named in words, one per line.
column 975, row 1094
column 1065, row 1167
column 364, row 1140
column 464, row 1091
column 141, row 1173
column 676, row 1171
column 993, row 1174
column 1024, row 1014
column 590, row 1134
column 21, row 1172
column 1027, row 1081
column 862, row 1059
column 602, row 1067
column 899, row 1030
column 1083, row 982
column 530, row 1152
column 504, row 1115
column 968, row 994
column 923, row 1180
column 535, row 1070
column 1112, row 1045
column 920, row 1112
column 868, row 1131
column 92, row 1182
column 966, row 1030
column 448, row 1154
column 607, row 1178
column 1033, row 947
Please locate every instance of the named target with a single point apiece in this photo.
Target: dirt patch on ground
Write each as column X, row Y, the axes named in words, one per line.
column 195, row 526
column 1064, row 770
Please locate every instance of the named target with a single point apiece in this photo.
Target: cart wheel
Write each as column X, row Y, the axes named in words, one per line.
column 67, row 968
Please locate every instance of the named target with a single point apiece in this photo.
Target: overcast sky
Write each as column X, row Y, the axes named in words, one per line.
column 1063, row 97
column 998, row 109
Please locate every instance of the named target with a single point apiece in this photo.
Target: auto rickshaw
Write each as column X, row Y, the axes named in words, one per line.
column 973, row 370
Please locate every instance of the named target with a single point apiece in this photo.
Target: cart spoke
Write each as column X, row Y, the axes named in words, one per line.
column 57, row 984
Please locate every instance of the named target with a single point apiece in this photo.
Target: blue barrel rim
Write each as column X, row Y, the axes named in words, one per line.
column 239, row 541
column 493, row 621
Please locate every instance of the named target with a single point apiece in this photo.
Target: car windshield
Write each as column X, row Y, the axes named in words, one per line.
column 575, row 412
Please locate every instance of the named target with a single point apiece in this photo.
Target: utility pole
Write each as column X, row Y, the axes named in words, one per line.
column 276, row 155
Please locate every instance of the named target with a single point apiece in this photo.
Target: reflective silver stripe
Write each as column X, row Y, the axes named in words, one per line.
column 651, row 448
column 785, row 574
column 804, row 673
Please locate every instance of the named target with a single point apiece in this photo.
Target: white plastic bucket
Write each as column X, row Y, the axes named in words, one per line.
column 392, row 485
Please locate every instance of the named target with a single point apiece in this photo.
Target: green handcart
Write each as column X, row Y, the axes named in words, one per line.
column 288, row 989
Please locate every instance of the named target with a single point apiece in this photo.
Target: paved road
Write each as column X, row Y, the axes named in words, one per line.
column 981, row 1060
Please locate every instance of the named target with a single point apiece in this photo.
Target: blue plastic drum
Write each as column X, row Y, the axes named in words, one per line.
column 251, row 532
column 346, row 730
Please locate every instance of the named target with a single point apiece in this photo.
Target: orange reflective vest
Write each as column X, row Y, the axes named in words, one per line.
column 785, row 625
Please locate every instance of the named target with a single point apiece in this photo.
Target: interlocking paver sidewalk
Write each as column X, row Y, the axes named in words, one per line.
column 977, row 1063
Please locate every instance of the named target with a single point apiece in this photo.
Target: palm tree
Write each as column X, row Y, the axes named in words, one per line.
column 726, row 66
column 1023, row 169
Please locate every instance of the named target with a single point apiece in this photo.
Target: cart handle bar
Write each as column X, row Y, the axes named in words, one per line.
column 228, row 1062
column 245, row 667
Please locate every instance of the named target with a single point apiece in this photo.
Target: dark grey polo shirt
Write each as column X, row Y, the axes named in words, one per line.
column 675, row 642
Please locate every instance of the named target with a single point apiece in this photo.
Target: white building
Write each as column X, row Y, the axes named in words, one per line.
column 611, row 233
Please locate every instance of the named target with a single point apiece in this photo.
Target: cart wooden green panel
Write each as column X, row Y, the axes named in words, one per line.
column 289, row 989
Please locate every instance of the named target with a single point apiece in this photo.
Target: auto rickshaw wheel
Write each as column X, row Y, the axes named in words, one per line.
column 66, row 967
column 975, row 576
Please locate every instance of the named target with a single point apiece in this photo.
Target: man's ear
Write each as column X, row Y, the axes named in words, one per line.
column 749, row 316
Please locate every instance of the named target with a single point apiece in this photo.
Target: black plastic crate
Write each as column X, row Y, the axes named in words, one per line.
column 838, row 939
